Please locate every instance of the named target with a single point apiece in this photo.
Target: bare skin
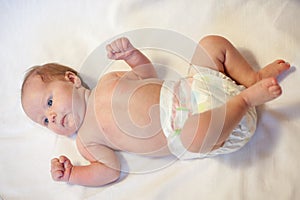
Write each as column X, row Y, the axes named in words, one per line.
column 262, row 87
column 121, row 112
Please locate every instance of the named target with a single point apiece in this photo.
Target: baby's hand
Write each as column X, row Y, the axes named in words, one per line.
column 61, row 168
column 120, row 49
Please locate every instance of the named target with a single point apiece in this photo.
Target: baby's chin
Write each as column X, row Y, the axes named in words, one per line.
column 70, row 126
column 73, row 123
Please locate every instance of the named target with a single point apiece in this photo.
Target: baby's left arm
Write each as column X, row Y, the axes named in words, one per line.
column 122, row 49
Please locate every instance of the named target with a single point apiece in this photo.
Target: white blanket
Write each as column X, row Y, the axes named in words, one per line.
column 67, row 32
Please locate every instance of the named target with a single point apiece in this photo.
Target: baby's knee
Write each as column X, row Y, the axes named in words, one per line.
column 214, row 40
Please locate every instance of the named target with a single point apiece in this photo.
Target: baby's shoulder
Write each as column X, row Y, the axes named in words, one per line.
column 82, row 149
column 117, row 75
column 108, row 81
column 112, row 75
column 88, row 151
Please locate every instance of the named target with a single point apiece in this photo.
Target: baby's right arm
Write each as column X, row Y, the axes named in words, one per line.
column 103, row 169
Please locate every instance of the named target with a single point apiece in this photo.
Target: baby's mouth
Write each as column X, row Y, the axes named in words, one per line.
column 62, row 121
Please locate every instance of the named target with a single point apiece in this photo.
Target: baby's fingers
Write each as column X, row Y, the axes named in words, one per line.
column 110, row 51
column 56, row 165
column 63, row 159
column 65, row 162
column 125, row 43
column 57, row 169
column 57, row 175
column 54, row 160
column 116, row 46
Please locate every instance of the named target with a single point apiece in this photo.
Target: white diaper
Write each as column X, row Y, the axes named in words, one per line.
column 203, row 91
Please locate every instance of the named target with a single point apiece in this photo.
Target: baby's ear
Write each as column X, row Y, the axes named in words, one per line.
column 70, row 76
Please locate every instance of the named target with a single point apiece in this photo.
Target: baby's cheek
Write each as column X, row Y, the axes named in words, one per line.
column 70, row 122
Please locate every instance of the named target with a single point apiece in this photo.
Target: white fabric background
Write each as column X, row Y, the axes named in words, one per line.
column 36, row 32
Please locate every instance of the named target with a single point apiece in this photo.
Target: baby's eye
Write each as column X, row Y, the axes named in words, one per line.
column 49, row 103
column 46, row 121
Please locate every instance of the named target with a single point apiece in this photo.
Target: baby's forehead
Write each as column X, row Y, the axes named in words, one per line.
column 32, row 97
column 33, row 91
column 34, row 81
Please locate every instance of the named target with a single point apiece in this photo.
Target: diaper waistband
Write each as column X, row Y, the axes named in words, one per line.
column 174, row 106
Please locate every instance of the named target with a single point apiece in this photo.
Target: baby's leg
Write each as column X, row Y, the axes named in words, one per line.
column 265, row 90
column 209, row 130
column 229, row 61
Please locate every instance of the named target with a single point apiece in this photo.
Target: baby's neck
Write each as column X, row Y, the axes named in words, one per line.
column 86, row 94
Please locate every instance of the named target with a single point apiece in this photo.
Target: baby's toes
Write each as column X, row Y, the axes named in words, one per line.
column 275, row 90
column 268, row 82
column 272, row 86
column 283, row 66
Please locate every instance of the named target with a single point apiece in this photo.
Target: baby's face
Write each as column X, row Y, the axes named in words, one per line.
column 51, row 105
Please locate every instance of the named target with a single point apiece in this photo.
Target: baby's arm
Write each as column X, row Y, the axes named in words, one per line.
column 95, row 174
column 122, row 49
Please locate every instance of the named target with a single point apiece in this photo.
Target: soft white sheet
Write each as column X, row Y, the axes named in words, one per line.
column 36, row 32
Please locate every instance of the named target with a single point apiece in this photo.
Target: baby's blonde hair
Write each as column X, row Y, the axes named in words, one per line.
column 49, row 72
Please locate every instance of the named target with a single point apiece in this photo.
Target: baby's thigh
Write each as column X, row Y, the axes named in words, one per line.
column 201, row 134
column 210, row 52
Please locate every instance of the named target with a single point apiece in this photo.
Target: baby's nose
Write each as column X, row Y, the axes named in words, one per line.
column 52, row 117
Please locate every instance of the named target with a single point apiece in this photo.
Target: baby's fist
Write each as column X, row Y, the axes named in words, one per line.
column 119, row 49
column 61, row 168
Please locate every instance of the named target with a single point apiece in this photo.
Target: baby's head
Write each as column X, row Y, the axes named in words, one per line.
column 49, row 94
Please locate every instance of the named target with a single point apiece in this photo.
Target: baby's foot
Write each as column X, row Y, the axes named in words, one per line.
column 265, row 90
column 273, row 69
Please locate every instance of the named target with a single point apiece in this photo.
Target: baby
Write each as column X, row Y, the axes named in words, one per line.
column 134, row 111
